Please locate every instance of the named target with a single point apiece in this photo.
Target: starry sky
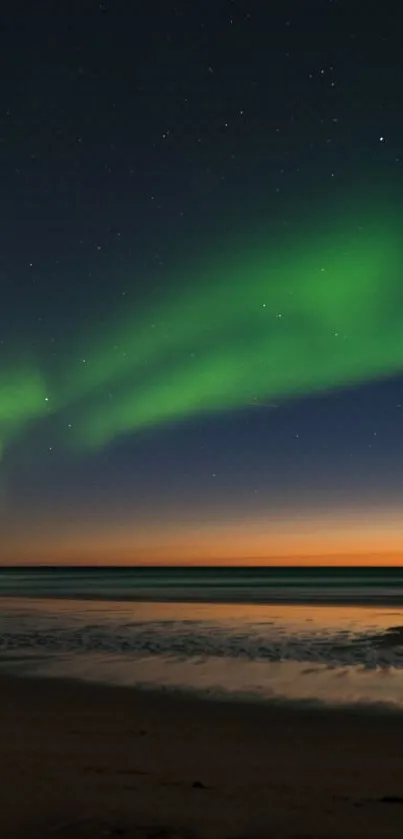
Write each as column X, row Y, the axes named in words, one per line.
column 201, row 275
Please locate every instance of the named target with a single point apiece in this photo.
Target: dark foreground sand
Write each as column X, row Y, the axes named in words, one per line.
column 88, row 761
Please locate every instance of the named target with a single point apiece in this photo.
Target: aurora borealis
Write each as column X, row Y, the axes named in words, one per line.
column 216, row 280
column 262, row 327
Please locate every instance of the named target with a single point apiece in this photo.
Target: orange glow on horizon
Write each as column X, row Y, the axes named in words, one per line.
column 100, row 560
column 342, row 539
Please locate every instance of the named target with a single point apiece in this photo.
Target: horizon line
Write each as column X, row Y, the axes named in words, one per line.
column 188, row 566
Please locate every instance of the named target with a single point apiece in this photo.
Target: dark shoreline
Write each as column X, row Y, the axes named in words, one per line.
column 85, row 760
column 278, row 707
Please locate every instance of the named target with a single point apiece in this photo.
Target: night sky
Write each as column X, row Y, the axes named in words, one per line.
column 201, row 276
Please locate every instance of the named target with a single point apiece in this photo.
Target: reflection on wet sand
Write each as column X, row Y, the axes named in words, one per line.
column 298, row 653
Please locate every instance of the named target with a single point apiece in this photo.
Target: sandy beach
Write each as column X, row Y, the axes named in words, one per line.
column 84, row 760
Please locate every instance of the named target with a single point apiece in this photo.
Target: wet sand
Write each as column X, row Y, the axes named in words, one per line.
column 84, row 760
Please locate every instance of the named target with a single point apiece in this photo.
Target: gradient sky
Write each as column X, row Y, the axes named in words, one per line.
column 201, row 274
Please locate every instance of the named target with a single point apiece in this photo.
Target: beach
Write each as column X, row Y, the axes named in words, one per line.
column 90, row 760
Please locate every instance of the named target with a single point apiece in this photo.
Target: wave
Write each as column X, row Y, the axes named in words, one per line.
column 72, row 633
column 247, row 585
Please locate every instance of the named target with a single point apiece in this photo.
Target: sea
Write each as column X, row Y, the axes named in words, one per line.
column 314, row 637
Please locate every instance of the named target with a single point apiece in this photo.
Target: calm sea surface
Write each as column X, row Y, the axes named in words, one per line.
column 320, row 635
column 359, row 585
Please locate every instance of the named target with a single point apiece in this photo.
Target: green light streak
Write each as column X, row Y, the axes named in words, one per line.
column 271, row 322
column 23, row 398
column 263, row 328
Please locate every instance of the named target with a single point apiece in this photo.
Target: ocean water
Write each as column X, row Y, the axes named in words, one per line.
column 249, row 585
column 327, row 636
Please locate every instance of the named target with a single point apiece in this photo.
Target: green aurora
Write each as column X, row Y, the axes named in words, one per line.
column 267, row 323
column 23, row 398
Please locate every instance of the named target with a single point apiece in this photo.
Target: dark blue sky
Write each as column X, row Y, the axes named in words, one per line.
column 136, row 135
